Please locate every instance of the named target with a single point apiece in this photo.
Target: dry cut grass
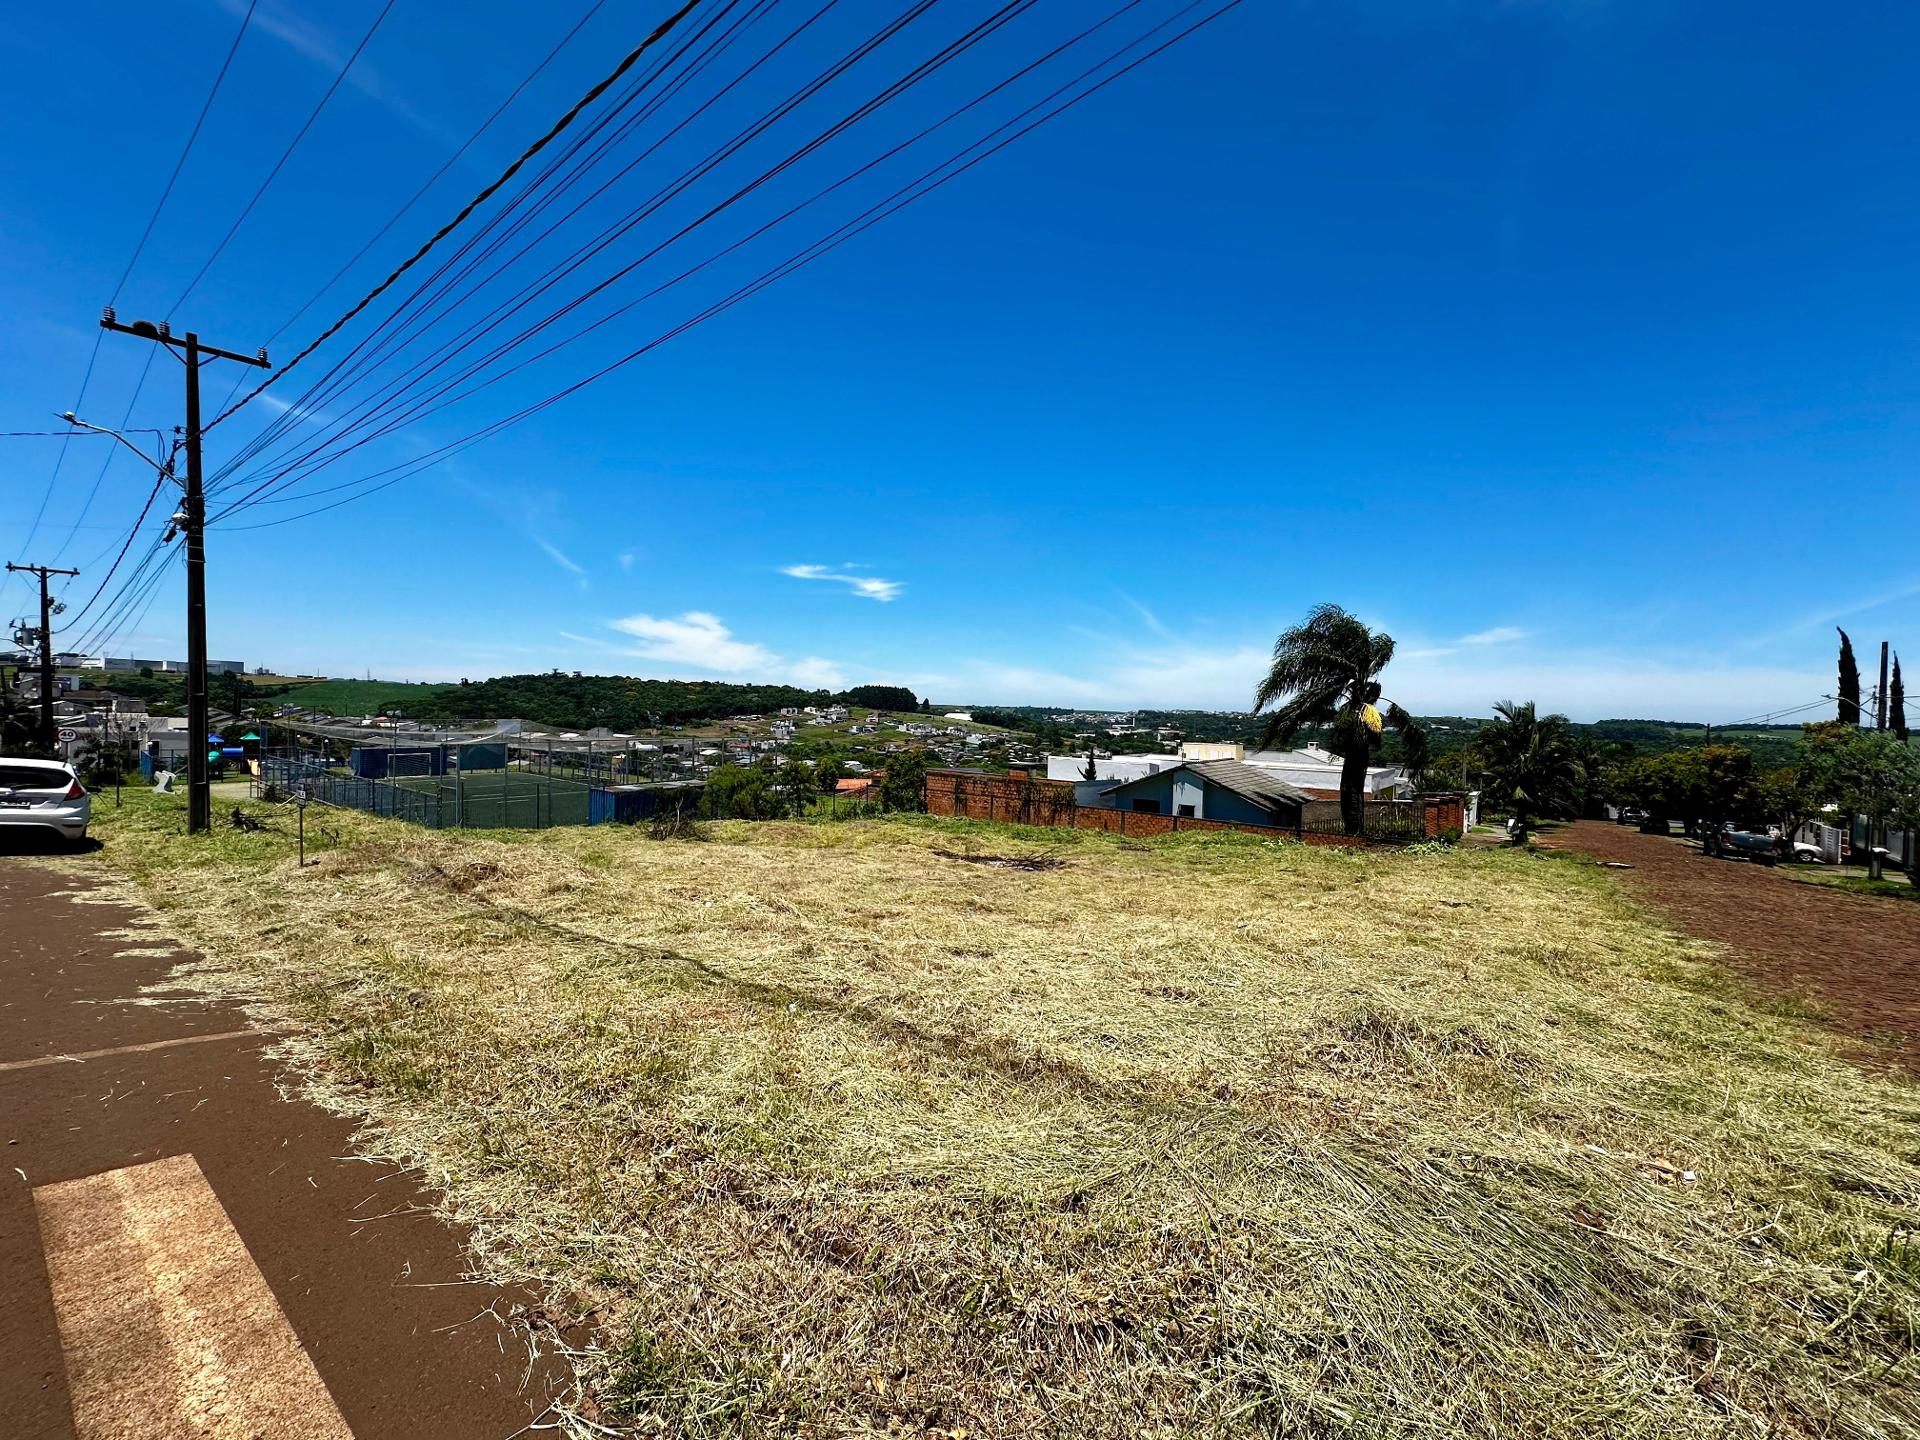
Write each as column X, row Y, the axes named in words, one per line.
column 833, row 1133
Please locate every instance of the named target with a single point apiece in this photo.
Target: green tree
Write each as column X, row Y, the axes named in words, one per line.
column 1849, row 694
column 1324, row 674
column 742, row 792
column 1531, row 768
column 880, row 697
column 1786, row 800
column 1863, row 772
column 19, row 722
column 1646, row 784
column 230, row 692
column 101, row 759
column 1718, row 784
column 799, row 785
column 904, row 785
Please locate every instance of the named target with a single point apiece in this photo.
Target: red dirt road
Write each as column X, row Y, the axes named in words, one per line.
column 1857, row 957
column 183, row 1252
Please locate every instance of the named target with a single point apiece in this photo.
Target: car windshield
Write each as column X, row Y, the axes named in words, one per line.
column 32, row 777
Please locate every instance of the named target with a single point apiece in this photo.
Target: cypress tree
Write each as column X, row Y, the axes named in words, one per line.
column 1897, row 706
column 1849, row 683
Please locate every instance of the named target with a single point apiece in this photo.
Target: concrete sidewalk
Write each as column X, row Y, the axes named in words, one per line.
column 185, row 1252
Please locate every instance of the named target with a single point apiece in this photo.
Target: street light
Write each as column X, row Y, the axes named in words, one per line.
column 164, row 467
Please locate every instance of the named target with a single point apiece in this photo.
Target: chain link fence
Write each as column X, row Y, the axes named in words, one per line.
column 522, row 792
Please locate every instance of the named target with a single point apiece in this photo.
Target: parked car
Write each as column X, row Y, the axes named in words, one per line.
column 46, row 795
column 1748, row 845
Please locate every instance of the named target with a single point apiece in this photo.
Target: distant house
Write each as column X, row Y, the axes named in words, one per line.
column 958, row 715
column 854, row 788
column 1211, row 790
column 1311, row 770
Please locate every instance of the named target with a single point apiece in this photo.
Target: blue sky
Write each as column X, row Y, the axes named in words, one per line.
column 1573, row 343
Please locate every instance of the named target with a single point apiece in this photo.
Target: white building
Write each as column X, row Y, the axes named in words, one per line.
column 1309, row 769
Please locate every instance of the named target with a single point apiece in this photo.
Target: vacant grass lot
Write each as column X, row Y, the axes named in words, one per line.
column 832, row 1129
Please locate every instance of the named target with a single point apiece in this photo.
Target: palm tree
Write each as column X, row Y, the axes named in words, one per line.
column 1531, row 764
column 1323, row 674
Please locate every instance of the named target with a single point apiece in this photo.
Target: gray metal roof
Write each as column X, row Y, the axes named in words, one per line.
column 1250, row 782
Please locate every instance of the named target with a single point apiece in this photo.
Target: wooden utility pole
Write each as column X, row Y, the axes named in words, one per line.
column 193, row 525
column 49, row 607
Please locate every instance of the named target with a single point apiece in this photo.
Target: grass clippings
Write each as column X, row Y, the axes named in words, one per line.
column 828, row 1135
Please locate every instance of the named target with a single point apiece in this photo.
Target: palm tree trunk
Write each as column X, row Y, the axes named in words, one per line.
column 1353, row 787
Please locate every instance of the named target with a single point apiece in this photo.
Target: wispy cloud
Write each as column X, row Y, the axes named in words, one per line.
column 869, row 587
column 1498, row 635
column 1833, row 613
column 560, row 557
column 326, row 51
column 298, row 412
column 626, row 559
column 702, row 641
column 1147, row 617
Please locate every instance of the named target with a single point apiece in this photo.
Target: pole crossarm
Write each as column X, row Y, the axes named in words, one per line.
column 160, row 334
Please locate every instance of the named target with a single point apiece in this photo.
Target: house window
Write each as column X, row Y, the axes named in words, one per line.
column 1186, row 812
column 1147, row 807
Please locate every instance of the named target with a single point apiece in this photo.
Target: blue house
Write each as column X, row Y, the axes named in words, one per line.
column 1211, row 790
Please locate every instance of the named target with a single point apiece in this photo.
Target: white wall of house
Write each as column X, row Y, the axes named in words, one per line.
column 1308, row 769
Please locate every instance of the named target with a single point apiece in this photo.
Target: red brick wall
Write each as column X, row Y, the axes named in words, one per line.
column 1443, row 813
column 1021, row 800
column 1009, row 799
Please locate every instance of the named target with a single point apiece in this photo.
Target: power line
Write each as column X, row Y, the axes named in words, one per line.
column 367, row 351
column 60, row 459
column 159, row 481
column 627, row 63
column 135, row 600
column 286, row 155
column 906, row 195
column 434, row 178
column 419, row 369
column 139, row 248
column 86, row 507
column 185, row 150
column 394, row 393
column 1010, row 131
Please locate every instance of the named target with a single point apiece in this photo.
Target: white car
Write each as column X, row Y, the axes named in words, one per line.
column 45, row 794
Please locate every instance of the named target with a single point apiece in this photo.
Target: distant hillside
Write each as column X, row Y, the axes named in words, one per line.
column 1773, row 745
column 363, row 697
column 624, row 702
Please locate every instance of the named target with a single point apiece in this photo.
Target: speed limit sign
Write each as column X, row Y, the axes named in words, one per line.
column 68, row 734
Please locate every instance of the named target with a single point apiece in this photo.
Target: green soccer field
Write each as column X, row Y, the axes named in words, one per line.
column 488, row 799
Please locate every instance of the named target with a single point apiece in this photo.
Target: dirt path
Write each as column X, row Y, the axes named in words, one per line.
column 186, row 1253
column 1857, row 956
